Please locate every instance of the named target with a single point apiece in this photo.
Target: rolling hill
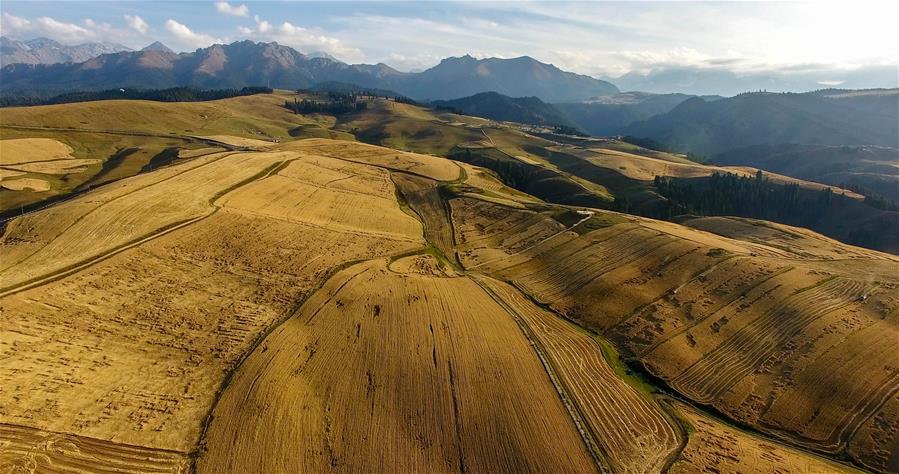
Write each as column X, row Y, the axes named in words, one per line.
column 189, row 318
column 495, row 106
column 612, row 114
column 870, row 169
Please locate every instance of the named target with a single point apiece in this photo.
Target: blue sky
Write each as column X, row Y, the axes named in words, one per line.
column 602, row 39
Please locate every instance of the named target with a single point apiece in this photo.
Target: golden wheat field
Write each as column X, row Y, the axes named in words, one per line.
column 770, row 341
column 418, row 354
column 264, row 305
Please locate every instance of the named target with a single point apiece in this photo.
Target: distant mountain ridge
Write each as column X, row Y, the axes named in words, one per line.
column 493, row 105
column 518, row 77
column 47, row 51
column 246, row 63
column 829, row 117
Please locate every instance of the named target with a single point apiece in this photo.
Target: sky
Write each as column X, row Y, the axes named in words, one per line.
column 602, row 39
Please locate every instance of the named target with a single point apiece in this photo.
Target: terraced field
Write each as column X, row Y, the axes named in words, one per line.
column 630, row 430
column 716, row 447
column 323, row 305
column 776, row 343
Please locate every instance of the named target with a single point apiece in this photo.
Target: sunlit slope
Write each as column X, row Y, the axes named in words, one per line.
column 796, row 346
column 400, row 370
column 129, row 334
column 120, row 138
column 139, row 316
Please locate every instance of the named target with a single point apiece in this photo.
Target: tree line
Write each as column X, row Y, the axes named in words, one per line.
column 338, row 103
column 745, row 196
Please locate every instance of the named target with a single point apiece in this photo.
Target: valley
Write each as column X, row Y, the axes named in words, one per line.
column 273, row 295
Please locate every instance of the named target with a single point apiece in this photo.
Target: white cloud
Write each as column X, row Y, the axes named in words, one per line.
column 261, row 25
column 14, row 23
column 304, row 39
column 137, row 23
column 68, row 33
column 186, row 37
column 228, row 9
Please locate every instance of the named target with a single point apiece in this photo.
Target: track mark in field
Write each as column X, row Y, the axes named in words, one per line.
column 24, row 449
column 630, row 429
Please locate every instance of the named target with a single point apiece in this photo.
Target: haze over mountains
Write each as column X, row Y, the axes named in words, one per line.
column 706, row 80
column 47, row 51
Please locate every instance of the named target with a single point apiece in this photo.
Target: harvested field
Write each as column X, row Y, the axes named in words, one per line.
column 788, row 241
column 716, row 447
column 487, row 232
column 117, row 215
column 776, row 343
column 175, row 314
column 29, row 450
column 6, row 174
column 483, row 179
column 311, row 200
column 644, row 168
column 417, row 362
column 250, row 143
column 429, row 166
column 55, row 166
column 26, row 150
column 199, row 152
column 25, row 184
column 132, row 349
column 630, row 429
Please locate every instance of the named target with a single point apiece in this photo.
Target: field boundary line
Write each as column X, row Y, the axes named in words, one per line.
column 64, row 272
column 186, row 454
column 571, row 405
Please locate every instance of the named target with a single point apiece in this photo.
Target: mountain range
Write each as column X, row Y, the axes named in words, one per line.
column 47, row 51
column 247, row 63
column 710, row 80
column 826, row 117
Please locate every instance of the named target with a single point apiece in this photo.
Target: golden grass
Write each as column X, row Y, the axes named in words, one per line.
column 631, row 430
column 255, row 116
column 25, row 184
column 118, row 215
column 301, row 193
column 486, row 232
column 132, row 349
column 781, row 240
column 429, row 166
column 26, row 150
column 778, row 342
column 6, row 174
column 716, row 447
column 251, row 143
column 56, row 166
column 646, row 168
column 382, row 371
column 30, row 450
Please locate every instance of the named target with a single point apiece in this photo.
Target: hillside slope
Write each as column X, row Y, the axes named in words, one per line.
column 495, row 106
column 160, row 322
column 819, row 118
